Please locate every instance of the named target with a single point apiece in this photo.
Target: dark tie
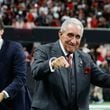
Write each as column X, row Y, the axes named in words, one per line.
column 72, row 84
column 69, row 59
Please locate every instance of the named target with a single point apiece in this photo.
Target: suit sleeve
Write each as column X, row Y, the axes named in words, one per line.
column 98, row 76
column 18, row 70
column 40, row 65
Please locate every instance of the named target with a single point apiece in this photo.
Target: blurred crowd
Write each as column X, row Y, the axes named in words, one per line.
column 101, row 56
column 33, row 13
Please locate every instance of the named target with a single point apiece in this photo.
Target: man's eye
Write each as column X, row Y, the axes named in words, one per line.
column 77, row 36
column 70, row 35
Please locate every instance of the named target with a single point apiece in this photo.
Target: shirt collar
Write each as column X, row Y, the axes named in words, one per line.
column 64, row 51
column 1, row 42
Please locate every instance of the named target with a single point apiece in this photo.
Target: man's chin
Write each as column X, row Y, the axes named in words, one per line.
column 72, row 51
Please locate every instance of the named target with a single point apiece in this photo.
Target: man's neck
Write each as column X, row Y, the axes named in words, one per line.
column 63, row 49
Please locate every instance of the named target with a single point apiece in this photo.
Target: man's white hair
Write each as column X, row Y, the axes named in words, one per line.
column 72, row 21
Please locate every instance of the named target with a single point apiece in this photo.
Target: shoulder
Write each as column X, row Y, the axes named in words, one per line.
column 45, row 47
column 14, row 44
column 84, row 55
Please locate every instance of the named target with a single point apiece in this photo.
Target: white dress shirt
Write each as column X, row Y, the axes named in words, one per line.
column 1, row 43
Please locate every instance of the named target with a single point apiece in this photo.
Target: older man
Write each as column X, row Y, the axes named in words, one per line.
column 63, row 73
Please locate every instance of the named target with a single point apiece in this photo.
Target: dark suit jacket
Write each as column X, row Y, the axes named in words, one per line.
column 52, row 90
column 13, row 76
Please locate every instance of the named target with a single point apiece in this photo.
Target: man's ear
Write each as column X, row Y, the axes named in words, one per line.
column 60, row 33
column 2, row 32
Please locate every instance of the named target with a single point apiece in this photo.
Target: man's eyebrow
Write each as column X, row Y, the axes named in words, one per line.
column 70, row 34
column 73, row 34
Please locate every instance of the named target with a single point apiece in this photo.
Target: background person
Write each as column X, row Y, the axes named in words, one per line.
column 13, row 93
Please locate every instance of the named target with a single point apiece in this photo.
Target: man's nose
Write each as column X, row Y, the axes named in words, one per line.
column 74, row 40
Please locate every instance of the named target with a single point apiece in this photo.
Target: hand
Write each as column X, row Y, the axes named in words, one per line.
column 60, row 62
column 1, row 96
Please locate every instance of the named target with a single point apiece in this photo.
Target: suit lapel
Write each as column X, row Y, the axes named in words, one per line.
column 79, row 70
column 57, row 52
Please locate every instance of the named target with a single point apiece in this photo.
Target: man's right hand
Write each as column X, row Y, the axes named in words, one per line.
column 60, row 62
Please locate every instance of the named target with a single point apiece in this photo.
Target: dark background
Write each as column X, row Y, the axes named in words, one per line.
column 45, row 35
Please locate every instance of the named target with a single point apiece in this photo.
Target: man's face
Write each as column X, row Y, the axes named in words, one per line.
column 71, row 38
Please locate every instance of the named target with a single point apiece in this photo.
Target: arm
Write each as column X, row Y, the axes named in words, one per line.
column 99, row 77
column 40, row 65
column 18, row 70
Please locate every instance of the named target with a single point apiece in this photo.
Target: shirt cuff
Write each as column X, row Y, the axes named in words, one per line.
column 6, row 94
column 50, row 65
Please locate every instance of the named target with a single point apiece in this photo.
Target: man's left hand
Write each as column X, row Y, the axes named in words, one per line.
column 1, row 96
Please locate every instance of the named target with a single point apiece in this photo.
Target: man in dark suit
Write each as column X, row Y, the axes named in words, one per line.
column 13, row 93
column 63, row 84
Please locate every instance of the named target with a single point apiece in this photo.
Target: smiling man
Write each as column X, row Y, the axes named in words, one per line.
column 63, row 73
